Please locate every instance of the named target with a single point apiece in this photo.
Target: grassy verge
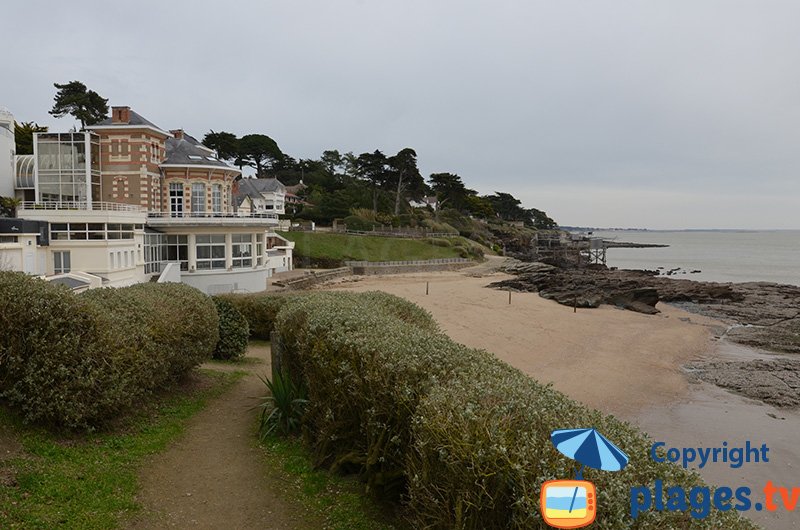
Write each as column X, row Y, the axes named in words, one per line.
column 90, row 481
column 339, row 501
column 321, row 247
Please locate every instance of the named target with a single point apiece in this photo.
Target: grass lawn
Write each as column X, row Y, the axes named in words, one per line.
column 90, row 481
column 339, row 501
column 341, row 247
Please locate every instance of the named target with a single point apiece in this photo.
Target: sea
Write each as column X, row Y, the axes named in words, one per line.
column 719, row 255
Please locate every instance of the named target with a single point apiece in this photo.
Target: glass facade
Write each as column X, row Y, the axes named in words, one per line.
column 91, row 231
column 210, row 252
column 162, row 248
column 64, row 174
column 242, row 250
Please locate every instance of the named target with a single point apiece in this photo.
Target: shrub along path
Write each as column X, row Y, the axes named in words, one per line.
column 215, row 476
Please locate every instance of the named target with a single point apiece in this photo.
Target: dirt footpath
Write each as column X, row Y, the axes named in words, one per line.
column 215, row 476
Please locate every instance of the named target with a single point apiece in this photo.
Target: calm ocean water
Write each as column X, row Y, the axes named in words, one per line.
column 722, row 256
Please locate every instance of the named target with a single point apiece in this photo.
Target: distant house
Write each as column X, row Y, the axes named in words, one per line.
column 431, row 201
column 261, row 196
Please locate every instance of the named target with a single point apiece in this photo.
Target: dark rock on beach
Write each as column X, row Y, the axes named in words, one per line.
column 762, row 315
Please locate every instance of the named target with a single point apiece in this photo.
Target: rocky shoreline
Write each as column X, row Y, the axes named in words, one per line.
column 761, row 315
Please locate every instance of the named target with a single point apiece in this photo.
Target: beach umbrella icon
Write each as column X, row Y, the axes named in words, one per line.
column 589, row 448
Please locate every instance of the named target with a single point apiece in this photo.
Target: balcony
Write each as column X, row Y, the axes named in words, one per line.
column 80, row 205
column 164, row 219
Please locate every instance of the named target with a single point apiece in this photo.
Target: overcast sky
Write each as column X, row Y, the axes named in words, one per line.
column 632, row 113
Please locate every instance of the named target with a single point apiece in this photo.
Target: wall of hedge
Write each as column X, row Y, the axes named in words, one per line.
column 78, row 361
column 234, row 331
column 460, row 438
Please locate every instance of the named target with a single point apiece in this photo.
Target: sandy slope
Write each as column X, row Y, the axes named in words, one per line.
column 617, row 361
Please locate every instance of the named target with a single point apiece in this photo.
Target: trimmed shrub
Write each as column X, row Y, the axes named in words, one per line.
column 358, row 223
column 77, row 361
column 181, row 320
column 460, row 437
column 259, row 310
column 233, row 331
column 440, row 242
column 46, row 336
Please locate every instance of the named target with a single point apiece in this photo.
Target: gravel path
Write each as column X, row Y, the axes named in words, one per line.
column 215, row 476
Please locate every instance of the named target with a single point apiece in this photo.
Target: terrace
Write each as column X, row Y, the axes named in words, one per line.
column 156, row 219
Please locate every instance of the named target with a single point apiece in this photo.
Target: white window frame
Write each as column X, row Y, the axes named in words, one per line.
column 62, row 261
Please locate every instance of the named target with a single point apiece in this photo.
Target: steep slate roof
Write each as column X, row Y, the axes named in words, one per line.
column 255, row 187
column 135, row 119
column 186, row 152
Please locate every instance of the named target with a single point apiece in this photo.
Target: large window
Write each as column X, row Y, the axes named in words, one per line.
column 216, row 198
column 91, row 231
column 61, row 261
column 176, row 199
column 260, row 251
column 242, row 250
column 210, row 252
column 63, row 172
column 198, row 198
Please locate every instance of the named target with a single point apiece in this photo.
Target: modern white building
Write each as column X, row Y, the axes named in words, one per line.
column 7, row 153
column 126, row 201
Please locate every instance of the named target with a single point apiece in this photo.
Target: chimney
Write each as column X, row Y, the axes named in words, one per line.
column 178, row 134
column 120, row 115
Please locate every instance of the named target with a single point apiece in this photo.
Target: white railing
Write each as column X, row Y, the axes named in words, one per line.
column 439, row 261
column 81, row 205
column 210, row 215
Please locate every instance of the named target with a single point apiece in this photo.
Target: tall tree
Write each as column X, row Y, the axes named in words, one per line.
column 23, row 135
column 259, row 151
column 450, row 190
column 224, row 143
column 373, row 167
column 332, row 160
column 406, row 174
column 507, row 206
column 539, row 219
column 83, row 104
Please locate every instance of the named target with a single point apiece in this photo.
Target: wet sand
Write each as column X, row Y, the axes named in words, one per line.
column 622, row 363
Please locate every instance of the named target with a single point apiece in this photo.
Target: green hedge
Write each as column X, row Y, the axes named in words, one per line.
column 461, row 438
column 259, row 310
column 77, row 361
column 234, row 331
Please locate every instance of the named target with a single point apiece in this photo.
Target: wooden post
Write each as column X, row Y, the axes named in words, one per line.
column 575, row 304
column 509, row 297
column 427, row 288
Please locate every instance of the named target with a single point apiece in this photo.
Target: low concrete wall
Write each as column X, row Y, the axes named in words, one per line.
column 237, row 280
column 366, row 268
column 313, row 278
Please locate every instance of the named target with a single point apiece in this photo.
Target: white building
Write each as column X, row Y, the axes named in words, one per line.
column 126, row 202
column 261, row 196
column 7, row 152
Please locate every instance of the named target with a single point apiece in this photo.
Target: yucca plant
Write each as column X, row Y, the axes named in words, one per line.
column 282, row 409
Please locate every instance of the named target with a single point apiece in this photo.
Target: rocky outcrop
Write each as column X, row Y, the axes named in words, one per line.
column 776, row 382
column 763, row 315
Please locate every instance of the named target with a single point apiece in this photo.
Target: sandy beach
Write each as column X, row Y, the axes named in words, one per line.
column 620, row 362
